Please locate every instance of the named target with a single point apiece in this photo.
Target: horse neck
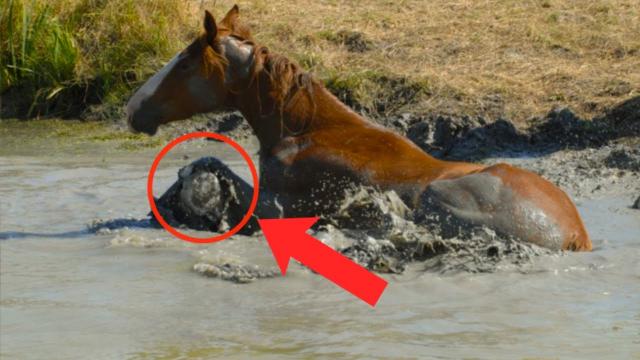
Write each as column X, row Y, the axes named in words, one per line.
column 305, row 112
column 279, row 107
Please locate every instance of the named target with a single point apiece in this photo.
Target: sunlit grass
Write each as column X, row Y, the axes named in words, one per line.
column 39, row 53
column 58, row 54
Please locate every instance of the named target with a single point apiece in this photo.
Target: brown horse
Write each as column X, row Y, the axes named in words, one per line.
column 312, row 145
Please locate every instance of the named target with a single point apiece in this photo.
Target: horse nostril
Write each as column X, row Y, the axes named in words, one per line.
column 142, row 116
column 130, row 125
column 133, row 125
column 142, row 124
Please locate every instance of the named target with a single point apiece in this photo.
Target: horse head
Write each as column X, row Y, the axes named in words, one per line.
column 199, row 79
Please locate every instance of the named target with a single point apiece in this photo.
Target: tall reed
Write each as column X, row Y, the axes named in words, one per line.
column 38, row 53
column 58, row 57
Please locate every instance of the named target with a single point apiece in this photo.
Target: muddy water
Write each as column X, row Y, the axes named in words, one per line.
column 131, row 292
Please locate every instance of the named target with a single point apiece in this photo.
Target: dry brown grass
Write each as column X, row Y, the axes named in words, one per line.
column 514, row 58
column 510, row 58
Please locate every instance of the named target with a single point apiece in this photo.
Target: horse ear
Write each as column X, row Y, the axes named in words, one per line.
column 210, row 27
column 231, row 18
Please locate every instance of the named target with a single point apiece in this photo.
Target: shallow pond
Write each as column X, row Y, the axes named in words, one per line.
column 131, row 292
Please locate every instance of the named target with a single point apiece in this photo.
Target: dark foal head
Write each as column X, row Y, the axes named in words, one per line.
column 196, row 80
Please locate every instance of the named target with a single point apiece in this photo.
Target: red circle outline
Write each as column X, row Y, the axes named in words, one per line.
column 171, row 145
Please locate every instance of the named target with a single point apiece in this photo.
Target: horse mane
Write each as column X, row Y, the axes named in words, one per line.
column 286, row 82
column 286, row 77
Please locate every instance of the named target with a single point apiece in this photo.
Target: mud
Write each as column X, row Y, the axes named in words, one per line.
column 230, row 124
column 624, row 159
column 379, row 232
column 237, row 273
column 353, row 41
column 376, row 229
column 207, row 196
column 475, row 138
column 590, row 173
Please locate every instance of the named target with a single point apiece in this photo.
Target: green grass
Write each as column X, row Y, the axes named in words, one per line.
column 39, row 53
column 60, row 57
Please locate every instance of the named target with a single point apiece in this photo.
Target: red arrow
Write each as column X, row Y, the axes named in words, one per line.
column 288, row 238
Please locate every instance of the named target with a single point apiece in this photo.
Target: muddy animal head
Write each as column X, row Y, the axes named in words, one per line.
column 196, row 80
column 202, row 193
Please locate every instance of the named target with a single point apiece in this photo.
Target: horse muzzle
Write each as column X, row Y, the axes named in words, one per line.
column 142, row 118
column 136, row 125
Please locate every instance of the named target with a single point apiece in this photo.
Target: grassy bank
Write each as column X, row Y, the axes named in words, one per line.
column 61, row 56
column 491, row 58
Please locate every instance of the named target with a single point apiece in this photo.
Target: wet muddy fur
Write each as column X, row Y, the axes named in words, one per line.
column 374, row 228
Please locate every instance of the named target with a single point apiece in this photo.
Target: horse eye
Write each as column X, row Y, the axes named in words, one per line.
column 184, row 66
